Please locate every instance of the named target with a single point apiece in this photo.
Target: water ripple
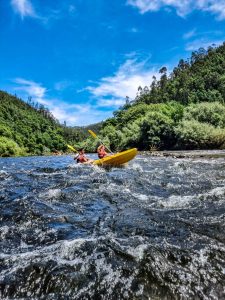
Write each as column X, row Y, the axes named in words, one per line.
column 152, row 230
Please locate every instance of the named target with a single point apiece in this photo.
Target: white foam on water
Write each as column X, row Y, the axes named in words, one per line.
column 135, row 166
column 175, row 201
column 51, row 193
column 24, row 258
column 179, row 201
column 74, row 165
column 141, row 197
column 138, row 252
column 216, row 194
column 218, row 191
column 54, row 193
column 112, row 275
column 3, row 172
column 67, row 248
column 98, row 169
column 3, row 231
column 23, row 245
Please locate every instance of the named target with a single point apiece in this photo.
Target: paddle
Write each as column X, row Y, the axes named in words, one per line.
column 96, row 137
column 72, row 148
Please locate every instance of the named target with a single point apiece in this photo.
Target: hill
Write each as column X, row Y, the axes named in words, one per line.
column 79, row 134
column 27, row 128
column 183, row 110
column 30, row 129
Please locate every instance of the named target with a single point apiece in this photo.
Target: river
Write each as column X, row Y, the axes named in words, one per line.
column 154, row 229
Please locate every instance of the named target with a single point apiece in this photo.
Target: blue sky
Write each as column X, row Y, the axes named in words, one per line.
column 81, row 58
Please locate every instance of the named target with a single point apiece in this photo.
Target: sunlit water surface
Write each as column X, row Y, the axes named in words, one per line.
column 152, row 230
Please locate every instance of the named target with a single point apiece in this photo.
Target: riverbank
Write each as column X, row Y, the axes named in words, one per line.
column 166, row 153
column 186, row 153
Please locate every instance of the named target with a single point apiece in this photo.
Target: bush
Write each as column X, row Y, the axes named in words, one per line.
column 195, row 135
column 9, row 148
column 5, row 131
column 157, row 129
column 212, row 113
column 114, row 136
column 131, row 135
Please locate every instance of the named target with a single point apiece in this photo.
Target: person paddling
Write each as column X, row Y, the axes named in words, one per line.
column 82, row 158
column 101, row 151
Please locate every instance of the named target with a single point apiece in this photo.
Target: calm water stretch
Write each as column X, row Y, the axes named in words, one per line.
column 152, row 230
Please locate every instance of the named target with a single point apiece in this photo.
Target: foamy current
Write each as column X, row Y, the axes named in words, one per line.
column 152, row 230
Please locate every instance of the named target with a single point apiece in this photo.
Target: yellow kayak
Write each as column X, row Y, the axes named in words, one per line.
column 117, row 159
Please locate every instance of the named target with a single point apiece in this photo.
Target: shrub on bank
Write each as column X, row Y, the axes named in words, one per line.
column 157, row 129
column 196, row 135
column 212, row 113
column 10, row 148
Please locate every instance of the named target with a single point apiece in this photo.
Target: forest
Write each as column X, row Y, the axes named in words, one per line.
column 181, row 110
column 29, row 128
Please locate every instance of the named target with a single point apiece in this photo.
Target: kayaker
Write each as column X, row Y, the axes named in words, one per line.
column 82, row 158
column 101, row 151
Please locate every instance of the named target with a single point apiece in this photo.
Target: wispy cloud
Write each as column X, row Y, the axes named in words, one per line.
column 189, row 34
column 216, row 7
column 62, row 85
column 202, row 43
column 134, row 30
column 130, row 75
column 72, row 113
column 31, row 88
column 44, row 14
column 24, row 8
column 114, row 102
column 202, row 39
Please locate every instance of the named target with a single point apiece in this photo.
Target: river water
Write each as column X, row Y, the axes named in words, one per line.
column 152, row 230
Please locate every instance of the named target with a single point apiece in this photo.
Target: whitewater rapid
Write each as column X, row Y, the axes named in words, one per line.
column 154, row 229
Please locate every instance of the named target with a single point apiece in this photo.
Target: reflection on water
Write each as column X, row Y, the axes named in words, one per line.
column 152, row 230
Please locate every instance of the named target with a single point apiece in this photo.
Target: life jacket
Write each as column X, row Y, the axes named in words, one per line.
column 101, row 152
column 81, row 158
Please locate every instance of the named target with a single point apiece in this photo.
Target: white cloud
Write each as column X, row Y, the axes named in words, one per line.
column 62, row 85
column 110, row 102
column 32, row 89
column 24, row 8
column 77, row 114
column 133, row 73
column 184, row 7
column 202, row 43
column 134, row 30
column 61, row 114
column 71, row 9
column 189, row 34
column 72, row 113
column 47, row 16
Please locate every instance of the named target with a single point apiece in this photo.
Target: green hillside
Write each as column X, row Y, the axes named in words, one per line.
column 27, row 128
column 79, row 134
column 182, row 110
column 31, row 129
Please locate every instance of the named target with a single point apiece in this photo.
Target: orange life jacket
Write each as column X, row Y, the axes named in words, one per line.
column 81, row 158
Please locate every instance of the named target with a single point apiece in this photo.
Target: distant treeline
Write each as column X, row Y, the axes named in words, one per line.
column 182, row 110
column 29, row 128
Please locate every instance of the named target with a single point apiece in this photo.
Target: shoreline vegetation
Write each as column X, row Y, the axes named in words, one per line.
column 186, row 154
column 191, row 154
column 184, row 110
